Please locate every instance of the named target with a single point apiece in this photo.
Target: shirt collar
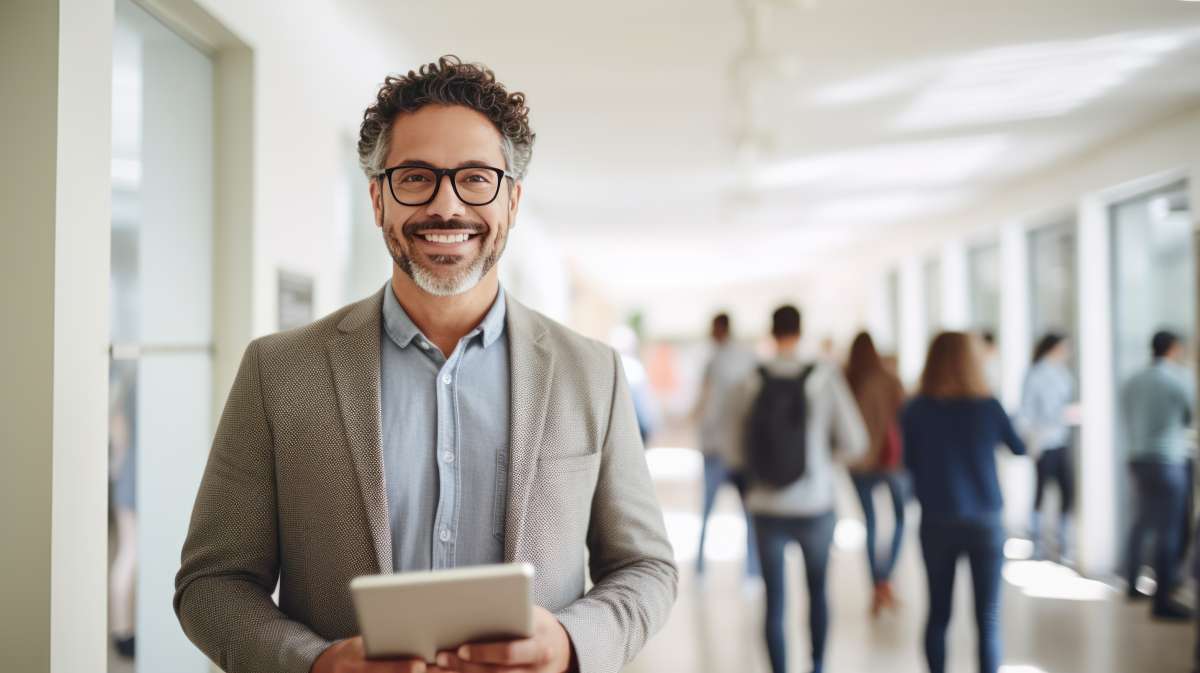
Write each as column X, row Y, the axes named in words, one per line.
column 402, row 330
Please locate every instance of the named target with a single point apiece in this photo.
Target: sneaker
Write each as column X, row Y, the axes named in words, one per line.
column 1134, row 596
column 124, row 646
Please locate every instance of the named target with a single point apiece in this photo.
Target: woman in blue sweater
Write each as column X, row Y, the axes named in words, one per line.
column 951, row 431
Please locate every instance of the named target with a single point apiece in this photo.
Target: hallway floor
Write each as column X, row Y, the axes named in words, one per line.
column 1054, row 621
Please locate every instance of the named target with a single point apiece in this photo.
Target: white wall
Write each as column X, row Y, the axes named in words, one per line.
column 314, row 73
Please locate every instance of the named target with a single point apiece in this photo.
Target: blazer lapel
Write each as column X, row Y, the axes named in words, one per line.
column 354, row 359
column 530, row 365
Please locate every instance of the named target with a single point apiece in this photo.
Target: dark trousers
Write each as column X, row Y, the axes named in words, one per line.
column 1161, row 510
column 815, row 535
column 1057, row 466
column 942, row 543
column 715, row 475
column 897, row 484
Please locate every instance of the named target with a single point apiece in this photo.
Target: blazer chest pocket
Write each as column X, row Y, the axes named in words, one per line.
column 563, row 488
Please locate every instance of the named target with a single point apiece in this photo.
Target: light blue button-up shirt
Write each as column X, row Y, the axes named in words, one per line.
column 1156, row 405
column 1049, row 390
column 445, row 441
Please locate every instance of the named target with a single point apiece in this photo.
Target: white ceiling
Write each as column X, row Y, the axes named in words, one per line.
column 862, row 114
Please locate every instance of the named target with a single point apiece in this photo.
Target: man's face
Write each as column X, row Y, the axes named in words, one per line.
column 1178, row 352
column 445, row 137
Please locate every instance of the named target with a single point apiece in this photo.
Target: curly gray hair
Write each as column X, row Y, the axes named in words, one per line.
column 447, row 82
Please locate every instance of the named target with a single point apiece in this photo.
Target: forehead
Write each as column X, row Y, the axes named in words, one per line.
column 444, row 135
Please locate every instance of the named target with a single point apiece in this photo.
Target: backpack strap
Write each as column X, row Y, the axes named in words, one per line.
column 806, row 372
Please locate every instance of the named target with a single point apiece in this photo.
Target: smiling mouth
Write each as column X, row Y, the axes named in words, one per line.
column 447, row 238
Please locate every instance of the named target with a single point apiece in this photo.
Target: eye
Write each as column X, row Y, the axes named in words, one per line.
column 478, row 178
column 414, row 177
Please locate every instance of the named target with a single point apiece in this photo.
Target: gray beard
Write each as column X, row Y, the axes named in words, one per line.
column 442, row 286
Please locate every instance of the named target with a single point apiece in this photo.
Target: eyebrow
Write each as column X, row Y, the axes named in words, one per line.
column 474, row 163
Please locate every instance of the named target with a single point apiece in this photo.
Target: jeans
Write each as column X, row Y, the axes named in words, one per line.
column 1161, row 512
column 815, row 535
column 943, row 542
column 716, row 474
column 1054, row 465
column 864, row 485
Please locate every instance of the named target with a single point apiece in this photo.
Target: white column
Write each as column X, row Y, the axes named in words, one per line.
column 1014, row 332
column 233, row 224
column 956, row 301
column 913, row 337
column 879, row 320
column 56, row 75
column 1097, row 536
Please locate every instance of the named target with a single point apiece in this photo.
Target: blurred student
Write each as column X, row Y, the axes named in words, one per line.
column 880, row 397
column 951, row 430
column 728, row 366
column 624, row 341
column 122, row 442
column 794, row 414
column 1196, row 576
column 1157, row 408
column 1046, row 415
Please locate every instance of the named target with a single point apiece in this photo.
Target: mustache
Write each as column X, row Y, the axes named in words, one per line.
column 411, row 229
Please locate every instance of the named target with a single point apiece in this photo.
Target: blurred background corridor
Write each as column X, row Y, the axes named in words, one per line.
column 183, row 178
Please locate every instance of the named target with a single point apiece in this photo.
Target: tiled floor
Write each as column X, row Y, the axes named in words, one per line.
column 1054, row 621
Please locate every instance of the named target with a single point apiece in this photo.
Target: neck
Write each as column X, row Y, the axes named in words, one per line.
column 786, row 347
column 445, row 320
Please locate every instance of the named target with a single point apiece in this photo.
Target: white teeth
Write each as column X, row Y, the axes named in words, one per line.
column 446, row 238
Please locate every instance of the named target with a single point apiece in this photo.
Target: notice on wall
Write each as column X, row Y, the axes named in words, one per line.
column 295, row 299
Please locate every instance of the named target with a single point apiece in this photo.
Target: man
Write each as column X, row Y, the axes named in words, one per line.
column 802, row 511
column 719, row 441
column 438, row 423
column 1157, row 406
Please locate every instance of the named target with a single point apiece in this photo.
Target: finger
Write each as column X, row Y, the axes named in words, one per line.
column 511, row 652
column 394, row 666
column 457, row 665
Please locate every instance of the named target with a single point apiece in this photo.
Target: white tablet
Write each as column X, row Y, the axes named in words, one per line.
column 419, row 614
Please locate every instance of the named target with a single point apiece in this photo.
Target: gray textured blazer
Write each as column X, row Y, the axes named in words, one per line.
column 294, row 492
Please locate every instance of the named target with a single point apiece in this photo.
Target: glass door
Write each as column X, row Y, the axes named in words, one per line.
column 1053, row 284
column 161, row 316
column 983, row 273
column 1154, row 288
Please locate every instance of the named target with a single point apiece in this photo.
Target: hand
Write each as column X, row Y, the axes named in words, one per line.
column 349, row 656
column 547, row 651
column 1073, row 414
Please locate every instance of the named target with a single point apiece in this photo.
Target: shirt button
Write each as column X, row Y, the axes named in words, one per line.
column 445, row 535
column 446, row 379
column 448, row 457
column 424, row 346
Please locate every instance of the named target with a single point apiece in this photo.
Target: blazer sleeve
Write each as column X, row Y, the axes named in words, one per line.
column 631, row 560
column 230, row 560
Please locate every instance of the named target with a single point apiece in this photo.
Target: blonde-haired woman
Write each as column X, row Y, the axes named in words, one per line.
column 951, row 429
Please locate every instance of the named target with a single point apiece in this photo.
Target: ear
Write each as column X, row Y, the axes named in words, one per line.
column 514, row 203
column 376, row 201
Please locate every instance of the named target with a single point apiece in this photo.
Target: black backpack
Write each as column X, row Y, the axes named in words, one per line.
column 776, row 441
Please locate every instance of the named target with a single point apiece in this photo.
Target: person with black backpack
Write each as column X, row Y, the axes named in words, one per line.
column 794, row 414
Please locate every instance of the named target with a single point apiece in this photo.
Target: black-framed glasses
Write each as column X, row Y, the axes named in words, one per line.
column 417, row 185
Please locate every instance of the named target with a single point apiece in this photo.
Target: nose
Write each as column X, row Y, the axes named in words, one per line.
column 445, row 203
